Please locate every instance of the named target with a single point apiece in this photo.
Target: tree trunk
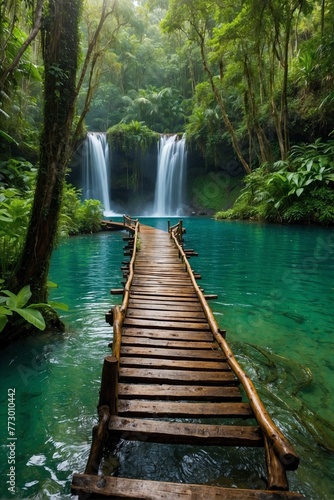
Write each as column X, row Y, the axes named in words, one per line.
column 221, row 104
column 60, row 51
column 252, row 110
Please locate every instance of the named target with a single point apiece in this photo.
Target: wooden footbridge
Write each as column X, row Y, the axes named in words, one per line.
column 170, row 361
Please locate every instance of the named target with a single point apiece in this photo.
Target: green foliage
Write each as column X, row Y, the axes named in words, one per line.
column 15, row 207
column 77, row 216
column 89, row 216
column 132, row 137
column 11, row 303
column 17, row 173
column 17, row 181
column 14, row 219
column 160, row 109
column 299, row 189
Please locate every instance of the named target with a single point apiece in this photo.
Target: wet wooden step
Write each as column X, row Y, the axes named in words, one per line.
column 164, row 306
column 173, row 363
column 139, row 408
column 166, row 315
column 185, row 433
column 155, row 352
column 179, row 392
column 118, row 487
column 162, row 298
column 170, row 344
column 137, row 375
column 188, row 336
column 170, row 324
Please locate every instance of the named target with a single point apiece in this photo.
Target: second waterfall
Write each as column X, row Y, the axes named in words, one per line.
column 171, row 176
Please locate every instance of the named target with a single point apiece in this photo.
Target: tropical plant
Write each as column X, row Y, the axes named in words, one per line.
column 11, row 303
column 160, row 109
column 134, row 136
column 299, row 189
column 14, row 217
column 89, row 216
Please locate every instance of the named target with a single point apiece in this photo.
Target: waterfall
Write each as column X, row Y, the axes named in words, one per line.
column 171, row 174
column 95, row 169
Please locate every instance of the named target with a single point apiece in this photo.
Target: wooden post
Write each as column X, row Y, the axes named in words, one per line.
column 99, row 436
column 109, row 384
column 277, row 479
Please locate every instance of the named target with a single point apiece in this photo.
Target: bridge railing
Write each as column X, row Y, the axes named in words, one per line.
column 108, row 401
column 129, row 222
column 120, row 311
column 274, row 438
column 177, row 230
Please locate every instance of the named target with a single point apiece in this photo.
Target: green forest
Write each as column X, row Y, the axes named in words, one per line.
column 249, row 83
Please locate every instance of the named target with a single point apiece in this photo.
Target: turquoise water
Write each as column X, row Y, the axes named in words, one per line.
column 275, row 291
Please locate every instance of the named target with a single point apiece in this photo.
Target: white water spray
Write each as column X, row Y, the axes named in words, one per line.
column 171, row 176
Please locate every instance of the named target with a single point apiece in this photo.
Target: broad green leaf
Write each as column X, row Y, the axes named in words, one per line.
column 5, row 311
column 23, row 296
column 299, row 191
column 309, row 165
column 3, row 321
column 59, row 305
column 11, row 301
column 8, row 137
column 33, row 316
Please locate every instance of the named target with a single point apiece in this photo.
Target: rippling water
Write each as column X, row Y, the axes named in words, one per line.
column 275, row 298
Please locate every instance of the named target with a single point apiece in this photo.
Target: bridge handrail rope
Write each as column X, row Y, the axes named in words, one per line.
column 281, row 445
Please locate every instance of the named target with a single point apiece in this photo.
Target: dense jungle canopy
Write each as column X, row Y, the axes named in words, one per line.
column 250, row 83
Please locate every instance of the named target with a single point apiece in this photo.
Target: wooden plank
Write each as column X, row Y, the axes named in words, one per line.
column 199, row 354
column 168, row 334
column 164, row 291
column 141, row 362
column 179, row 282
column 171, row 344
column 155, row 314
column 163, row 297
column 151, row 490
column 177, row 325
column 185, row 433
column 119, row 487
column 164, row 306
column 176, row 376
column 138, row 408
column 177, row 392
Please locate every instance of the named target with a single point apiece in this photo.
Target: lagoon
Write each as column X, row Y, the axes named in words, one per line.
column 275, row 287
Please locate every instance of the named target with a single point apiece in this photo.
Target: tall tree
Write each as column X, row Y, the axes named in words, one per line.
column 196, row 19
column 60, row 53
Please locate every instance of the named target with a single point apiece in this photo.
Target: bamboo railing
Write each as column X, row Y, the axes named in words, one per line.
column 275, row 440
